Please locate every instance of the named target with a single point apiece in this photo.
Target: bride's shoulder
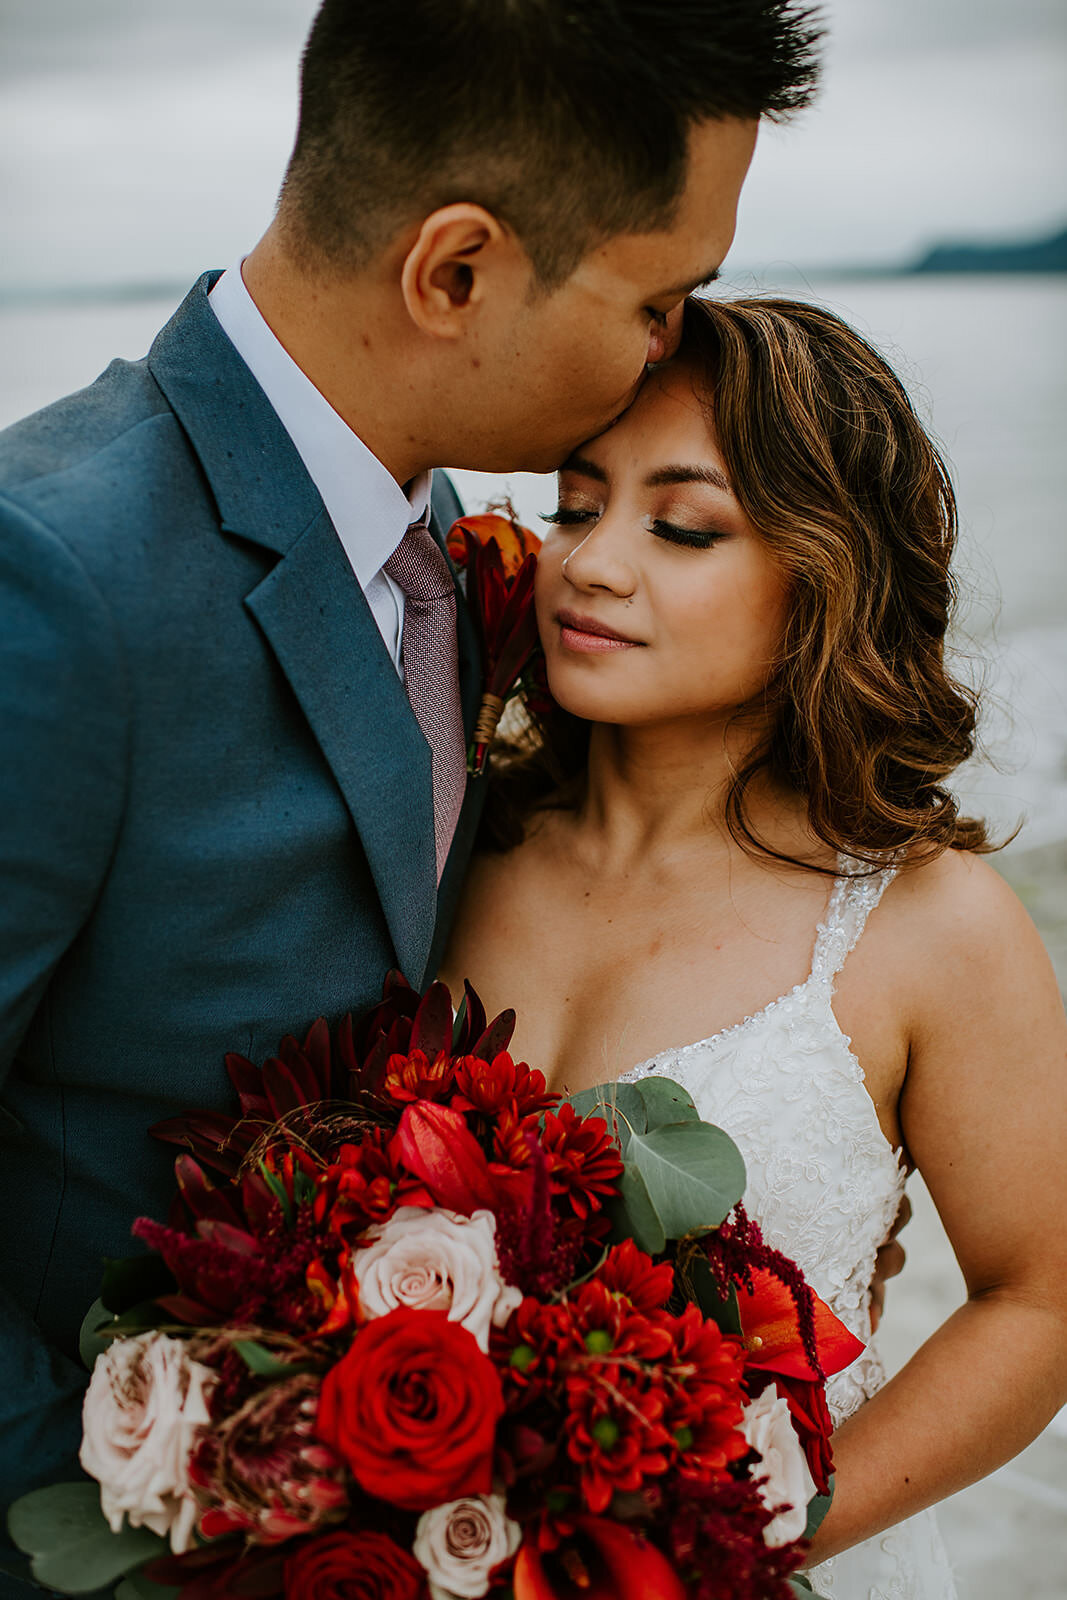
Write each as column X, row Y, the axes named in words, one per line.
column 962, row 931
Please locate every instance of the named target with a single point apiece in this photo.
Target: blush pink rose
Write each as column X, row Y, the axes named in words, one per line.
column 436, row 1261
column 145, row 1404
column 768, row 1426
column 461, row 1543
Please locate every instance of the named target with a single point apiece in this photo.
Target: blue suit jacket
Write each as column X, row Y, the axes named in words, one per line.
column 216, row 817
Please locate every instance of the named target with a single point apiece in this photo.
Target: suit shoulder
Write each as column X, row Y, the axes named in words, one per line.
column 91, row 467
column 71, row 431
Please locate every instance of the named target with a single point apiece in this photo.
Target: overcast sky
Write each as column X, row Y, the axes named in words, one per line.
column 142, row 141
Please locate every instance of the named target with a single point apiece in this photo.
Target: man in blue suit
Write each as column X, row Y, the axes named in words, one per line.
column 217, row 796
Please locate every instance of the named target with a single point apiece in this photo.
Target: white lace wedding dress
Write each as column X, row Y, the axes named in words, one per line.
column 824, row 1185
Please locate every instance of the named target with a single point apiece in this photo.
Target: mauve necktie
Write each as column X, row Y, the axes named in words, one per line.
column 431, row 671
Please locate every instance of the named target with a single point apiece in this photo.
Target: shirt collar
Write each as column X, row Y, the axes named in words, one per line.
column 366, row 505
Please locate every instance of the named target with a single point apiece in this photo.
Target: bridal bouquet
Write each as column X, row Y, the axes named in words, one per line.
column 417, row 1329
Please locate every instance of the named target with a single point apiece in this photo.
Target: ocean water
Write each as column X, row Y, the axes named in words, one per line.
column 983, row 360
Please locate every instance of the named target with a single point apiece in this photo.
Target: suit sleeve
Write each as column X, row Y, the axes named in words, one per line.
column 63, row 733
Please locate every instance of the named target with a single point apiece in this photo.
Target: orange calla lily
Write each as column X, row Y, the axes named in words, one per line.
column 771, row 1331
column 514, row 541
column 601, row 1561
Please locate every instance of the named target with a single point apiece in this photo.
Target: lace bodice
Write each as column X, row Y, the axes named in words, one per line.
column 824, row 1185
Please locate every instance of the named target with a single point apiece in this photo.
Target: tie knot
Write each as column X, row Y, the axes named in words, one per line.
column 418, row 566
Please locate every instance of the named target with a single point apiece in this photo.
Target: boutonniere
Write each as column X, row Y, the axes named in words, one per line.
column 498, row 556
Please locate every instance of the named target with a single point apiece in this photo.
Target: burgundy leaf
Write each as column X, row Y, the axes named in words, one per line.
column 432, row 1029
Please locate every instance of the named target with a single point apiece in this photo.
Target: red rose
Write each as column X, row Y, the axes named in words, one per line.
column 353, row 1566
column 413, row 1408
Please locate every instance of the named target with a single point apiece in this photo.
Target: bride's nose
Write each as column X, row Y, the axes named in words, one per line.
column 599, row 564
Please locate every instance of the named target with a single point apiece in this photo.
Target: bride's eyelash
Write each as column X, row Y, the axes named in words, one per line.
column 670, row 532
column 693, row 538
column 568, row 516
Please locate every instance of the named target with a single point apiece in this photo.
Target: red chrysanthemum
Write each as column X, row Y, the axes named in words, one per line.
column 584, row 1160
column 366, row 1184
column 705, row 1397
column 614, row 1431
column 628, row 1271
column 526, row 1351
column 601, row 1324
column 501, row 1085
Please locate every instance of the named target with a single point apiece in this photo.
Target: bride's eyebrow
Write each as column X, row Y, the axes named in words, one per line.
column 585, row 467
column 664, row 476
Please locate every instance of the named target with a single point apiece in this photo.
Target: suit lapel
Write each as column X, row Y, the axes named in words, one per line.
column 350, row 694
column 313, row 614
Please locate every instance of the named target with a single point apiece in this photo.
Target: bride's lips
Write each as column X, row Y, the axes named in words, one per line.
column 577, row 632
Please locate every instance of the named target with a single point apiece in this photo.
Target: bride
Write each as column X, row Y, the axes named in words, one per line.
column 743, row 602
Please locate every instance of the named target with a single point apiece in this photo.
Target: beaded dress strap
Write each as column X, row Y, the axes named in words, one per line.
column 855, row 894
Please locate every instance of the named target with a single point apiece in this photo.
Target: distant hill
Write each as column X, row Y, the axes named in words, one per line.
column 1037, row 255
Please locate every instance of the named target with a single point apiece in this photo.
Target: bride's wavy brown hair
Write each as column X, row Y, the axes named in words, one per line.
column 834, row 470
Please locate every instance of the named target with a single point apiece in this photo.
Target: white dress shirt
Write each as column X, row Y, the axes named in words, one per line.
column 366, row 505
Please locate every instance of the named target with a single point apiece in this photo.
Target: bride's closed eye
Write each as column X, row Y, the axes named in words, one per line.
column 692, row 538
column 568, row 516
column 670, row 532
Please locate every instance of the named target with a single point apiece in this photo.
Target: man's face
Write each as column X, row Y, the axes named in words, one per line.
column 560, row 368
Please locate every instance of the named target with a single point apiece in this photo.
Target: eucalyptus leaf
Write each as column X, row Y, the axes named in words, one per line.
column 64, row 1531
column 694, row 1174
column 91, row 1342
column 818, row 1506
column 621, row 1106
column 258, row 1359
column 666, row 1102
column 633, row 1215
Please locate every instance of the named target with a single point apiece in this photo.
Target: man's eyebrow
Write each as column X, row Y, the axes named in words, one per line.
column 587, row 468
column 691, row 287
column 664, row 476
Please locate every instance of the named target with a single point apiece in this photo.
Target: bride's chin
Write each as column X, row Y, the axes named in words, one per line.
column 594, row 703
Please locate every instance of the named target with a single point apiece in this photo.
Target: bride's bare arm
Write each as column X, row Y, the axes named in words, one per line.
column 984, row 1115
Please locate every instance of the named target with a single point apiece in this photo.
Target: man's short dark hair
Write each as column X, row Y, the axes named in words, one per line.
column 567, row 119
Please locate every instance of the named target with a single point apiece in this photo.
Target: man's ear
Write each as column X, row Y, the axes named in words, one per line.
column 459, row 251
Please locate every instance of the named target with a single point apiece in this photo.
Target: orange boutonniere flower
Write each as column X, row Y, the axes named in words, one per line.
column 499, row 557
